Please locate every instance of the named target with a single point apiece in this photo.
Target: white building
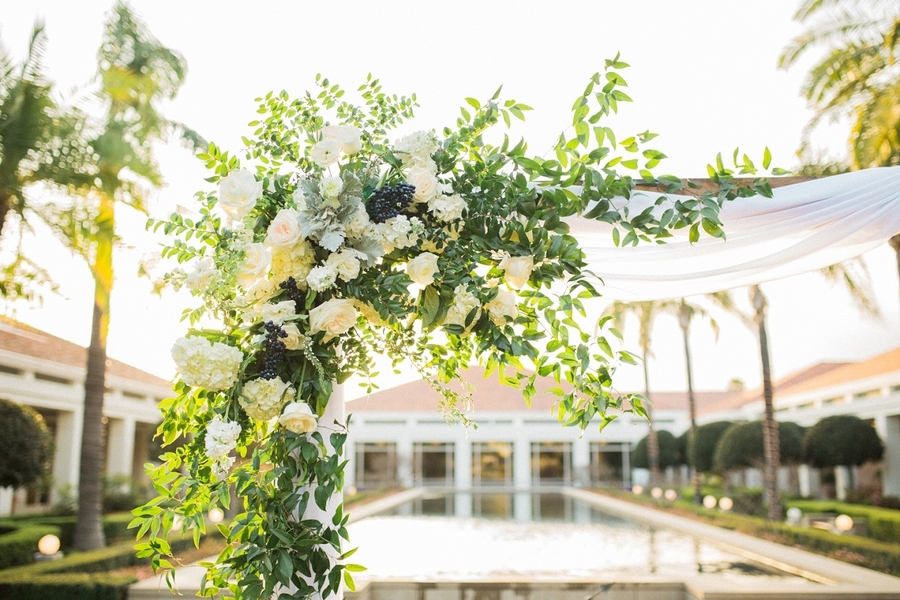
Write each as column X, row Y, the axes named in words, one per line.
column 397, row 436
column 47, row 374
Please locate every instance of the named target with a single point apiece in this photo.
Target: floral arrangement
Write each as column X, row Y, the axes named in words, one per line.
column 341, row 243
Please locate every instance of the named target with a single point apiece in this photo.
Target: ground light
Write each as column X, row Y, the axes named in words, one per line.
column 843, row 523
column 48, row 548
column 656, row 492
column 709, row 501
column 215, row 515
column 637, row 489
column 671, row 495
column 726, row 503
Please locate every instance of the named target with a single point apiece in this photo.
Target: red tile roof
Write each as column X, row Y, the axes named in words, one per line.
column 26, row 340
column 490, row 395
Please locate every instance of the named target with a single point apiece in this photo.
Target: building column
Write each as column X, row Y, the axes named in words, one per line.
column 841, row 482
column 462, row 477
column 804, row 474
column 120, row 446
column 626, row 467
column 581, row 463
column 66, row 454
column 405, row 461
column 888, row 428
column 521, row 463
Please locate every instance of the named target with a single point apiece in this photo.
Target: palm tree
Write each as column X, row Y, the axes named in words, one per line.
column 686, row 313
column 40, row 142
column 135, row 71
column 859, row 78
column 646, row 313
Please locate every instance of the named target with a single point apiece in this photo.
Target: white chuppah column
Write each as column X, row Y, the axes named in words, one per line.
column 334, row 419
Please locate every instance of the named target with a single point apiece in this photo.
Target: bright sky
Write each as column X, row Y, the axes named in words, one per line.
column 703, row 76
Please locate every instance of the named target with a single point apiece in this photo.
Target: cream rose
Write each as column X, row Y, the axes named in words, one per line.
column 257, row 261
column 299, row 418
column 294, row 339
column 334, row 317
column 503, row 308
column 284, row 231
column 345, row 263
column 348, row 136
column 277, row 313
column 238, row 193
column 423, row 268
column 331, row 187
column 425, row 181
column 517, row 270
column 325, row 153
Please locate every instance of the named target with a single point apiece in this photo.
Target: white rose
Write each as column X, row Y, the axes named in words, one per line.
column 517, row 270
column 294, row 339
column 331, row 187
column 257, row 261
column 238, row 193
column 423, row 268
column 503, row 308
column 325, row 153
column 299, row 418
column 464, row 302
column 425, row 181
column 277, row 313
column 284, row 231
column 348, row 136
column 345, row 263
column 334, row 317
column 370, row 314
column 321, row 278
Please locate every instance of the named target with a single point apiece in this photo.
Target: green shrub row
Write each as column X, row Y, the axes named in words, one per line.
column 19, row 541
column 873, row 554
column 81, row 575
column 115, row 526
column 884, row 523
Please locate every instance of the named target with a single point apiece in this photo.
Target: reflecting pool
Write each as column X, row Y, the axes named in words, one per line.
column 535, row 536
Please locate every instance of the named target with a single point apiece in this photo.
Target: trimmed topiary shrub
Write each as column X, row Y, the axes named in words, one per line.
column 670, row 454
column 741, row 446
column 26, row 449
column 841, row 440
column 702, row 446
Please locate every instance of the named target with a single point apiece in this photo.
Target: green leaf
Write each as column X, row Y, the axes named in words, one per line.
column 767, row 158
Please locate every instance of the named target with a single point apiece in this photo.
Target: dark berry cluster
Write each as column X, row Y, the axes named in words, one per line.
column 290, row 286
column 274, row 350
column 388, row 202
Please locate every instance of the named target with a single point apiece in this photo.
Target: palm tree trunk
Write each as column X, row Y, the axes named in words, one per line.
column 89, row 523
column 684, row 319
column 771, row 443
column 652, row 440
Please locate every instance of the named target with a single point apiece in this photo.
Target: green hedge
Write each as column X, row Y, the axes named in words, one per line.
column 115, row 526
column 884, row 523
column 18, row 542
column 873, row 554
column 81, row 575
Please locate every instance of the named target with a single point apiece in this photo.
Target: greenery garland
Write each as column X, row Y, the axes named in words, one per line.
column 342, row 245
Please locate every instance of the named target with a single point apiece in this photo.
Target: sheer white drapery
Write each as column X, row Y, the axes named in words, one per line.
column 805, row 226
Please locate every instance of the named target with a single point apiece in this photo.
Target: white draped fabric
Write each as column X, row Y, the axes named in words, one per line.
column 804, row 227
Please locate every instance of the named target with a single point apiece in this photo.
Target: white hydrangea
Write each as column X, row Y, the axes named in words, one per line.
column 201, row 363
column 203, row 275
column 321, row 278
column 222, row 467
column 345, row 263
column 279, row 312
column 398, row 232
column 417, row 147
column 447, row 208
column 294, row 262
column 262, row 399
column 221, row 437
column 464, row 302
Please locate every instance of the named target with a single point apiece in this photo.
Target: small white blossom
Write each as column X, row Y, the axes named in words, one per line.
column 203, row 275
column 221, row 437
column 278, row 313
column 321, row 278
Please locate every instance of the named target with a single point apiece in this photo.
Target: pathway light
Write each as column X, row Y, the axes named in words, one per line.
column 794, row 515
column 637, row 489
column 843, row 523
column 656, row 492
column 216, row 515
column 709, row 501
column 671, row 495
column 726, row 503
column 49, row 544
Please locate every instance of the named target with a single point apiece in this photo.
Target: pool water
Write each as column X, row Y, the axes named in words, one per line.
column 533, row 536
